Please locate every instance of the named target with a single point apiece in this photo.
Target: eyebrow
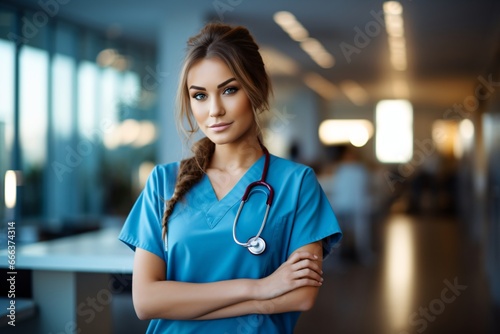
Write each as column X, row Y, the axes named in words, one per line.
column 218, row 86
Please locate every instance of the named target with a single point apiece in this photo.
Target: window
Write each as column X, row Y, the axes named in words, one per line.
column 87, row 106
column 63, row 73
column 7, row 85
column 33, row 106
column 33, row 92
column 7, row 52
column 67, row 103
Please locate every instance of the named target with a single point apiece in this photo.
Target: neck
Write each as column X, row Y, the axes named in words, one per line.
column 237, row 155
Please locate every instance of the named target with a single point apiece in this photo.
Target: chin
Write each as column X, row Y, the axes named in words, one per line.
column 230, row 138
column 219, row 140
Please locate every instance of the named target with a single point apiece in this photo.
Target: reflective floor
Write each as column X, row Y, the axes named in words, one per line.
column 427, row 278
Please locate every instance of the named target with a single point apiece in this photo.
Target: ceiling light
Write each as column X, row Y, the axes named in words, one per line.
column 397, row 42
column 323, row 59
column 291, row 26
column 320, row 85
column 343, row 131
column 284, row 18
column 298, row 33
column 317, row 52
column 395, row 29
column 354, row 92
column 392, row 8
column 394, row 23
column 399, row 62
column 311, row 45
column 278, row 63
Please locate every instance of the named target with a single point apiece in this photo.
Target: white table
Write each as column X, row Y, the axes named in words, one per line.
column 72, row 282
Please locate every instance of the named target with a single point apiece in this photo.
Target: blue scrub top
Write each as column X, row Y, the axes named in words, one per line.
column 199, row 247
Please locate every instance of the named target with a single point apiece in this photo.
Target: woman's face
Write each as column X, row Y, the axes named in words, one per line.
column 220, row 106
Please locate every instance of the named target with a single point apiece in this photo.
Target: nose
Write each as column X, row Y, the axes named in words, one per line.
column 216, row 108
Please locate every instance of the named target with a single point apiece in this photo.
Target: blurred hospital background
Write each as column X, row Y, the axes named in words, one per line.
column 396, row 106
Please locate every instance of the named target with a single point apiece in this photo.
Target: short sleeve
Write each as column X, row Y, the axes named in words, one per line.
column 314, row 218
column 142, row 227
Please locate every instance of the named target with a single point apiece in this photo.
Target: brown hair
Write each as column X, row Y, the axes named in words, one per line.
column 239, row 51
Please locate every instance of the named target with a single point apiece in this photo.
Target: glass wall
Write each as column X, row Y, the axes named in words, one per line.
column 33, row 117
column 75, row 120
column 7, row 99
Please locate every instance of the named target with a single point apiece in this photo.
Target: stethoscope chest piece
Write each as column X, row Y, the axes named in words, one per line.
column 256, row 246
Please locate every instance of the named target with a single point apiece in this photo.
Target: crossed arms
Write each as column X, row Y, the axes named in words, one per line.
column 292, row 287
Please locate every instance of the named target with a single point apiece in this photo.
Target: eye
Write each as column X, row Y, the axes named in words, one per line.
column 230, row 90
column 199, row 96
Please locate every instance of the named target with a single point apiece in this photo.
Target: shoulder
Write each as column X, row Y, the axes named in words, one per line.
column 166, row 170
column 289, row 166
column 288, row 171
column 163, row 177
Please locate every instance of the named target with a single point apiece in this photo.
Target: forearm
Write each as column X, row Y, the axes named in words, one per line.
column 301, row 299
column 181, row 301
column 154, row 297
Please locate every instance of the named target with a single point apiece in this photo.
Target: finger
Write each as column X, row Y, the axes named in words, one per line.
column 298, row 256
column 308, row 282
column 308, row 273
column 307, row 264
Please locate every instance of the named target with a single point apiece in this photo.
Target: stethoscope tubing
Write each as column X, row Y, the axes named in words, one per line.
column 256, row 245
column 251, row 241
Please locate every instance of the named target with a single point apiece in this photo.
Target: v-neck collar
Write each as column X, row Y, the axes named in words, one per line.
column 205, row 199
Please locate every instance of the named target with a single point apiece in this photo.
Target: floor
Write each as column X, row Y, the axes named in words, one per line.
column 427, row 278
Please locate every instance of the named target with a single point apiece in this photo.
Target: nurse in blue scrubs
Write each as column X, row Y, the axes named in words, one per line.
column 190, row 274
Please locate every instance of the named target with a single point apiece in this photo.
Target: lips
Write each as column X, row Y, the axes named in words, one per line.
column 220, row 126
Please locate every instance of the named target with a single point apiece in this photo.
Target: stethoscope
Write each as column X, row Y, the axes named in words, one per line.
column 256, row 245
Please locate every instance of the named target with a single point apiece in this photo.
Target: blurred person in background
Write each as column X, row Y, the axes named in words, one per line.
column 350, row 198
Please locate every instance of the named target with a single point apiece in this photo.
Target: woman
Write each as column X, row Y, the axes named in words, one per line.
column 190, row 274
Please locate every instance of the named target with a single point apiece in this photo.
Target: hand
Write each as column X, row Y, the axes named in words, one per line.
column 301, row 269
